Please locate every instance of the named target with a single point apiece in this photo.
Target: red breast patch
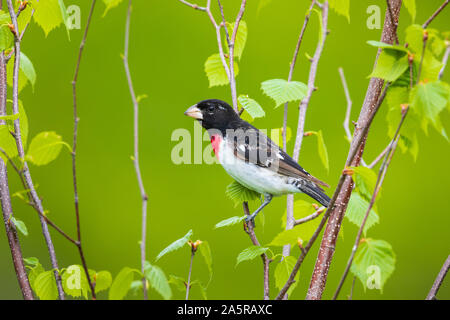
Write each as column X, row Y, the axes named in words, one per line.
column 215, row 142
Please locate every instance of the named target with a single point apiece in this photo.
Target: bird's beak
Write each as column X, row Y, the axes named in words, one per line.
column 194, row 112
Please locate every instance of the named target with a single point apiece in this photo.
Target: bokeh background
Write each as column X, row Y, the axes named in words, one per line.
column 169, row 45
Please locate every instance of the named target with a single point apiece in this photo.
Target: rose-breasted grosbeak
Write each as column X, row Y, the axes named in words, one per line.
column 251, row 158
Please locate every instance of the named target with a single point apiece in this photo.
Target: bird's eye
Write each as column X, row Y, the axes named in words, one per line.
column 211, row 108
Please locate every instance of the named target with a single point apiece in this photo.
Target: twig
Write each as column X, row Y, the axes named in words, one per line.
column 196, row 7
column 378, row 184
column 378, row 158
column 350, row 297
column 310, row 217
column 11, row 232
column 339, row 201
column 250, row 230
column 434, row 15
column 439, row 279
column 21, row 152
column 444, row 60
column 137, row 167
column 76, row 119
column 188, row 285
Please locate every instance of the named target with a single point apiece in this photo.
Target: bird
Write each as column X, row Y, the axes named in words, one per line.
column 251, row 158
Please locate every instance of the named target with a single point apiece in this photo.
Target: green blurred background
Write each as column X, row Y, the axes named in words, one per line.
column 169, row 45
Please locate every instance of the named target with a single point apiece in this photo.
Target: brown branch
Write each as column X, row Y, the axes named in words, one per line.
column 5, row 198
column 339, row 201
column 194, row 6
column 434, row 15
column 137, row 167
column 74, row 150
column 188, row 284
column 310, row 217
column 21, row 152
column 439, row 279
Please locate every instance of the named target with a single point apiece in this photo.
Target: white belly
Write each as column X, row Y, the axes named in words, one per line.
column 252, row 176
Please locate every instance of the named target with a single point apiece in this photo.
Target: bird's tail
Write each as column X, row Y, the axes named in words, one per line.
column 316, row 193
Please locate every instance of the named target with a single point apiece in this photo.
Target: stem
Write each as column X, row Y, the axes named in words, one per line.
column 440, row 278
column 137, row 167
column 76, row 119
column 188, row 285
column 21, row 152
column 434, row 15
column 338, row 204
column 11, row 232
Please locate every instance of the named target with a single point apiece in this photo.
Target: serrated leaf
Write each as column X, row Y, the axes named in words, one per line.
column 7, row 143
column 391, row 64
column 411, row 7
column 215, row 71
column 6, row 38
column 179, row 282
column 250, row 253
column 20, row 225
column 276, row 135
column 229, row 222
column 26, row 72
column 205, row 251
column 356, row 210
column 110, row 4
column 136, row 287
column 374, row 263
column 365, row 180
column 241, row 38
column 385, row 45
column 74, row 281
column 322, row 150
column 157, row 280
column 103, row 281
column 238, row 193
column 32, row 261
column 177, row 244
column 341, row 7
column 44, row 148
column 45, row 286
column 282, row 272
column 282, row 91
column 122, row 283
column 48, row 15
column 28, row 69
column 251, row 106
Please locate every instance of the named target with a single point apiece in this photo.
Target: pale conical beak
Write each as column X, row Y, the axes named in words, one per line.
column 194, row 112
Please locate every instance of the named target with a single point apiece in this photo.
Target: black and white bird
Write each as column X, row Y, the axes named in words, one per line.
column 251, row 158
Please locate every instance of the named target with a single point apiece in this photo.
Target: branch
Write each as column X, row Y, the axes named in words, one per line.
column 196, row 7
column 310, row 217
column 11, row 232
column 434, row 15
column 440, row 278
column 20, row 149
column 339, row 201
column 188, row 284
column 445, row 59
column 137, row 167
column 76, row 119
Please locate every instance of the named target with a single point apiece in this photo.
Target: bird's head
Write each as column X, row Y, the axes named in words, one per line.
column 212, row 114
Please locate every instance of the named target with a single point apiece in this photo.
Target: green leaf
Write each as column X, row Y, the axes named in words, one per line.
column 110, row 4
column 385, row 45
column 322, row 149
column 136, row 287
column 291, row 236
column 283, row 91
column 414, row 38
column 44, row 148
column 215, row 70
column 391, row 64
column 229, row 222
column 374, row 263
column 341, row 7
column 32, row 261
column 20, row 225
column 241, row 38
column 428, row 100
column 121, row 284
column 74, row 281
column 175, row 245
column 48, row 15
column 205, row 251
column 356, row 210
column 304, row 231
column 103, row 281
column 26, row 72
column 365, row 180
column 157, row 280
column 64, row 16
column 282, row 272
column 238, row 193
column 7, row 143
column 277, row 135
column 179, row 282
column 250, row 253
column 45, row 286
column 411, row 7
column 6, row 38
column 251, row 106
column 28, row 69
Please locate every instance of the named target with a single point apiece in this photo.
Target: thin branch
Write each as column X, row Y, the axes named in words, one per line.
column 378, row 184
column 137, row 167
column 445, row 59
column 434, row 15
column 350, row 296
column 310, row 217
column 5, row 198
column 74, row 149
column 196, row 7
column 21, row 152
column 339, row 201
column 439, row 279
column 188, row 285
column 378, row 158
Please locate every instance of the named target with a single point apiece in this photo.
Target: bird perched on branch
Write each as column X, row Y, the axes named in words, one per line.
column 251, row 158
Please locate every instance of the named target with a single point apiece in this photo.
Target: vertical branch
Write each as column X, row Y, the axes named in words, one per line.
column 188, row 284
column 18, row 137
column 137, row 167
column 339, row 201
column 76, row 119
column 11, row 232
column 302, row 113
